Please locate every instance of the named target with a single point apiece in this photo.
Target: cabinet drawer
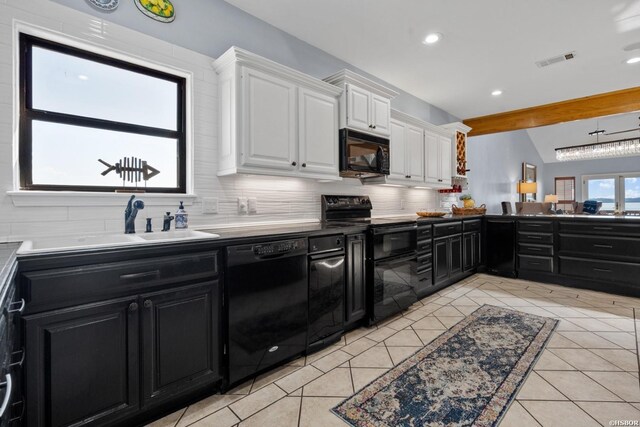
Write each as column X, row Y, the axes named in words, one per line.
column 424, row 232
column 597, row 226
column 472, row 225
column 535, row 226
column 624, row 248
column 535, row 263
column 533, row 249
column 606, row 271
column 541, row 238
column 447, row 229
column 424, row 246
column 64, row 287
column 425, row 261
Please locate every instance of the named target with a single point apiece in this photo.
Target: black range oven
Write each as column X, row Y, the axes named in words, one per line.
column 392, row 270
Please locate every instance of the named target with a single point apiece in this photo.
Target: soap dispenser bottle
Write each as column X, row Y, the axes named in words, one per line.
column 182, row 218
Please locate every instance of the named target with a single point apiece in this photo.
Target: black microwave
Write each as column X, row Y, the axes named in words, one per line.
column 363, row 155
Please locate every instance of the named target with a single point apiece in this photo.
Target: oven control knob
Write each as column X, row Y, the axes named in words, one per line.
column 363, row 201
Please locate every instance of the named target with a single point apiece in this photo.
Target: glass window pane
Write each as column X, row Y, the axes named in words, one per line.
column 68, row 155
column 603, row 190
column 68, row 84
column 632, row 194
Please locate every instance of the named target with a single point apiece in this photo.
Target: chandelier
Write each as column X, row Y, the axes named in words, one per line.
column 600, row 150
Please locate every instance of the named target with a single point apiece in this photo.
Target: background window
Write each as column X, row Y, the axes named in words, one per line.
column 616, row 192
column 78, row 107
column 565, row 189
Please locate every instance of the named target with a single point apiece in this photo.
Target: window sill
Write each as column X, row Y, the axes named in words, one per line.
column 78, row 198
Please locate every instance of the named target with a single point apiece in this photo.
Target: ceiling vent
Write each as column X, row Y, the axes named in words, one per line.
column 556, row 59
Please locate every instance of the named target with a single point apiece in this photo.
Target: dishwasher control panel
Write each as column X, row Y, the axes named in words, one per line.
column 326, row 243
column 276, row 248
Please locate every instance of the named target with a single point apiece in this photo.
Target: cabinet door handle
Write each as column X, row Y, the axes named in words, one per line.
column 597, row 245
column 603, row 228
column 304, row 165
column 133, row 307
column 133, row 276
column 371, row 126
column 294, row 163
column 147, row 303
column 603, row 270
column 8, row 385
column 374, row 126
column 20, row 309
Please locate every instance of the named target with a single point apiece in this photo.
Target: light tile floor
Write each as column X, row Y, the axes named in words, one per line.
column 587, row 375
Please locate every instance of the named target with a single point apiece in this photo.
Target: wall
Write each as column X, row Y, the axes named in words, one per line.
column 588, row 167
column 210, row 27
column 496, row 166
column 279, row 199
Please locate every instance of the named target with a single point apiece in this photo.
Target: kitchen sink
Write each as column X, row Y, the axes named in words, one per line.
column 69, row 243
column 176, row 235
column 46, row 244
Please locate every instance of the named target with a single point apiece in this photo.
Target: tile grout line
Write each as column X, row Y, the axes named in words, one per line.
column 635, row 327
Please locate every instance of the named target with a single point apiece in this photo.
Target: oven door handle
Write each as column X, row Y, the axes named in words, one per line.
column 325, row 255
column 399, row 260
column 389, row 230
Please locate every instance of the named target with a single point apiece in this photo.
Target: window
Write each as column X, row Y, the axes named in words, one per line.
column 565, row 189
column 77, row 107
column 616, row 192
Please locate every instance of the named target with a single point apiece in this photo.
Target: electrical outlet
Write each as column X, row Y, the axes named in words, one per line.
column 209, row 205
column 242, row 205
column 253, row 205
column 403, row 204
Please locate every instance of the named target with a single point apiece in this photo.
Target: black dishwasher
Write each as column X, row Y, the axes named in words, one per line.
column 326, row 290
column 267, row 293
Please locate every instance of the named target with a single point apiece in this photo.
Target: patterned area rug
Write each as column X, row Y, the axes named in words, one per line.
column 467, row 376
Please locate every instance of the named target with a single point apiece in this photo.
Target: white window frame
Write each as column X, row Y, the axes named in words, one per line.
column 619, row 186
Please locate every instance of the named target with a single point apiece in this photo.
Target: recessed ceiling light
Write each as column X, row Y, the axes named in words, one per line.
column 633, row 60
column 83, row 77
column 496, row 93
column 432, row 38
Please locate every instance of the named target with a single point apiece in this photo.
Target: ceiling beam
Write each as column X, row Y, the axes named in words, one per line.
column 604, row 104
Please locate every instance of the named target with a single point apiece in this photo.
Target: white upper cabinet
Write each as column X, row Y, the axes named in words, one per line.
column 406, row 152
column 364, row 105
column 318, row 133
column 415, row 154
column 437, row 158
column 397, row 150
column 380, row 114
column 359, row 105
column 274, row 120
column 269, row 121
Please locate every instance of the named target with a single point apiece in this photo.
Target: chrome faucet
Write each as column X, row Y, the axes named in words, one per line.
column 130, row 215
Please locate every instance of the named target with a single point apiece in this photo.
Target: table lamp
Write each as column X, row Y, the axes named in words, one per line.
column 526, row 188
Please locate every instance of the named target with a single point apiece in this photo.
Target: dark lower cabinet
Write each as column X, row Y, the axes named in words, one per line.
column 90, row 364
column 82, row 364
column 447, row 258
column 178, row 340
column 355, row 284
column 471, row 247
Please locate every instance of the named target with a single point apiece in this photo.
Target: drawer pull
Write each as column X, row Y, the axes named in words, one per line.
column 597, row 245
column 19, row 363
column 533, row 249
column 20, row 308
column 534, row 237
column 8, row 385
column 534, row 225
column 148, row 304
column 603, row 228
column 133, row 307
column 534, row 263
column 133, row 276
column 602, row 270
